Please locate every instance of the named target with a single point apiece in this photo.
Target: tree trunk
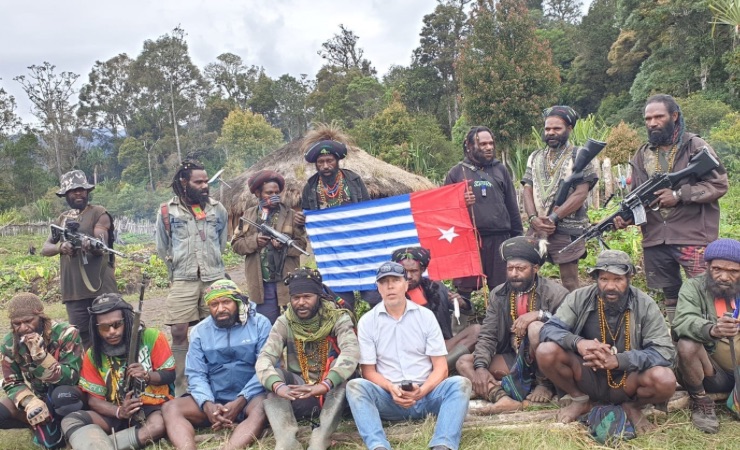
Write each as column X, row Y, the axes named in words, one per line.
column 174, row 124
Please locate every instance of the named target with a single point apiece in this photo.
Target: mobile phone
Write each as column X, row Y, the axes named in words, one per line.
column 407, row 386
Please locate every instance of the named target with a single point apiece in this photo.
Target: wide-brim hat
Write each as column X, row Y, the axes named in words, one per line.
column 613, row 261
column 72, row 180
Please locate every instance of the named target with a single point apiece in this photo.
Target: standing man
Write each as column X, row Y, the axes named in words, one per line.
column 516, row 309
column 704, row 331
column 41, row 360
column 404, row 371
column 331, row 186
column 687, row 219
column 267, row 261
column 545, row 169
column 82, row 282
column 224, row 389
column 609, row 343
column 435, row 296
column 492, row 200
column 322, row 354
column 104, row 371
column 191, row 236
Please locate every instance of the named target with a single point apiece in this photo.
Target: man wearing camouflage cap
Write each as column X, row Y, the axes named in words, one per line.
column 81, row 282
column 608, row 343
column 41, row 361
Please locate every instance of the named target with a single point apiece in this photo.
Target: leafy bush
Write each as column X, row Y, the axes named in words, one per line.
column 702, row 114
column 622, row 143
column 725, row 139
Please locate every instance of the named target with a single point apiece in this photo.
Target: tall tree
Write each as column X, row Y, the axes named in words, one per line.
column 50, row 94
column 505, row 70
column 568, row 11
column 291, row 96
column 342, row 51
column 245, row 138
column 233, row 79
column 9, row 120
column 105, row 100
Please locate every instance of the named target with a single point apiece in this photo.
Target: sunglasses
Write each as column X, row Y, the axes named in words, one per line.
column 395, row 268
column 106, row 327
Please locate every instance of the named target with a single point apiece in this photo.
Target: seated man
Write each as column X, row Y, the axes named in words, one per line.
column 435, row 296
column 322, row 354
column 222, row 383
column 703, row 331
column 609, row 343
column 402, row 358
column 516, row 309
column 136, row 419
column 41, row 367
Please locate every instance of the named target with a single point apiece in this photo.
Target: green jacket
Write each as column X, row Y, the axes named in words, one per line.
column 695, row 312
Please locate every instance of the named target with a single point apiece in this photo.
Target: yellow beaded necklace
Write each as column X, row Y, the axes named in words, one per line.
column 604, row 327
column 321, row 354
column 671, row 157
column 530, row 307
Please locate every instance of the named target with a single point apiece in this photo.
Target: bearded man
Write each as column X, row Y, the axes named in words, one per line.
column 491, row 198
column 685, row 219
column 516, row 310
column 704, row 331
column 267, row 261
column 136, row 420
column 41, row 368
column 191, row 236
column 82, row 282
column 609, row 343
column 322, row 354
column 224, row 390
column 435, row 296
column 545, row 169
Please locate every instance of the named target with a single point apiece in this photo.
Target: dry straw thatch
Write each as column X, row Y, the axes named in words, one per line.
column 382, row 179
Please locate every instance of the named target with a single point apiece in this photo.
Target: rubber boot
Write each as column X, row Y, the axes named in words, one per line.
column 127, row 439
column 90, row 437
column 181, row 381
column 455, row 354
column 329, row 418
column 282, row 421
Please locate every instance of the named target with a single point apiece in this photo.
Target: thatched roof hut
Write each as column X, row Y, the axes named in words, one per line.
column 382, row 179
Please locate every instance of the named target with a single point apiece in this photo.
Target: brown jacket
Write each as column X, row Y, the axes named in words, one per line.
column 245, row 243
column 695, row 220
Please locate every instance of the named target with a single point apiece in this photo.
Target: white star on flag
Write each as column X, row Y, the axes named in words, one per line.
column 449, row 235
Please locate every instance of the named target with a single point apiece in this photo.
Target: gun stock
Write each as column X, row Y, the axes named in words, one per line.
column 130, row 383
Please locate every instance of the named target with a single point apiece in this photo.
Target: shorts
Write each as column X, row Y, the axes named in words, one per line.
column 558, row 241
column 185, row 302
column 596, row 386
column 723, row 379
column 663, row 264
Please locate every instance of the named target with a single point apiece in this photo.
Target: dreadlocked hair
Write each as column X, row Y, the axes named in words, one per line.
column 183, row 173
column 97, row 340
column 472, row 137
column 672, row 107
column 324, row 132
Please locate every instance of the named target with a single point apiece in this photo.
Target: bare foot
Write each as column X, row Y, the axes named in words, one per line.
column 541, row 394
column 503, row 405
column 639, row 421
column 573, row 411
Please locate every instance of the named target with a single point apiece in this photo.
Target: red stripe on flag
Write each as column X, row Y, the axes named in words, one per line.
column 443, row 223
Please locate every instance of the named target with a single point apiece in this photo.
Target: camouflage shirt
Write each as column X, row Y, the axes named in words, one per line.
column 343, row 366
column 65, row 346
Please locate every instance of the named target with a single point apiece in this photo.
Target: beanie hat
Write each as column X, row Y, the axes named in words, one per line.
column 727, row 249
column 25, row 304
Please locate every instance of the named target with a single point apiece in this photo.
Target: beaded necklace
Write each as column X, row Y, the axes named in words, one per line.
column 333, row 195
column 530, row 307
column 604, row 327
column 320, row 355
column 671, row 157
column 547, row 173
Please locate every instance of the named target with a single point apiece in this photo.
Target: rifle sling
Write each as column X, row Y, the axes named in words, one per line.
column 481, row 173
column 86, row 280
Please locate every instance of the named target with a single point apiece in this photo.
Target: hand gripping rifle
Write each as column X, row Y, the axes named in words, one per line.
column 584, row 156
column 267, row 230
column 70, row 234
column 130, row 383
column 633, row 206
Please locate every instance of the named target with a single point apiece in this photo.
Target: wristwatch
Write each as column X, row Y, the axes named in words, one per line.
column 532, row 217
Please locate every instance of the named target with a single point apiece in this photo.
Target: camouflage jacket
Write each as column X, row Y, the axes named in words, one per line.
column 343, row 347
column 65, row 346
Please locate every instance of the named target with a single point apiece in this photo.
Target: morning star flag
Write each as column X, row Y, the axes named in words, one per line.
column 351, row 241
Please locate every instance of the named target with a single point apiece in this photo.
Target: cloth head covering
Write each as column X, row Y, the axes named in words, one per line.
column 613, row 261
column 72, row 180
column 24, row 304
column 418, row 254
column 525, row 247
column 223, row 288
column 326, row 147
column 256, row 181
column 304, row 281
column 106, row 303
column 727, row 249
column 390, row 269
column 566, row 113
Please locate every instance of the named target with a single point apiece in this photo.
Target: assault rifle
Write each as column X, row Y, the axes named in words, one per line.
column 584, row 156
column 130, row 383
column 267, row 230
column 633, row 206
column 70, row 234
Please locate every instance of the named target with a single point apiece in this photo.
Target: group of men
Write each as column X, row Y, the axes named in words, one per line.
column 603, row 343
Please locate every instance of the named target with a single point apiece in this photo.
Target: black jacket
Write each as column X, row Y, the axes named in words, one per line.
column 357, row 190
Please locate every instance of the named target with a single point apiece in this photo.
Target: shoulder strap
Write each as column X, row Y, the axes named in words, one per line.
column 165, row 211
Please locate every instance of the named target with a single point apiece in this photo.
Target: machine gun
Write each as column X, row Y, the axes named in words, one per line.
column 584, row 156
column 131, row 383
column 633, row 206
column 267, row 230
column 70, row 234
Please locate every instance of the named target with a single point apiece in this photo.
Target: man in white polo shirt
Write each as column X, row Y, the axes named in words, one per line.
column 402, row 358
